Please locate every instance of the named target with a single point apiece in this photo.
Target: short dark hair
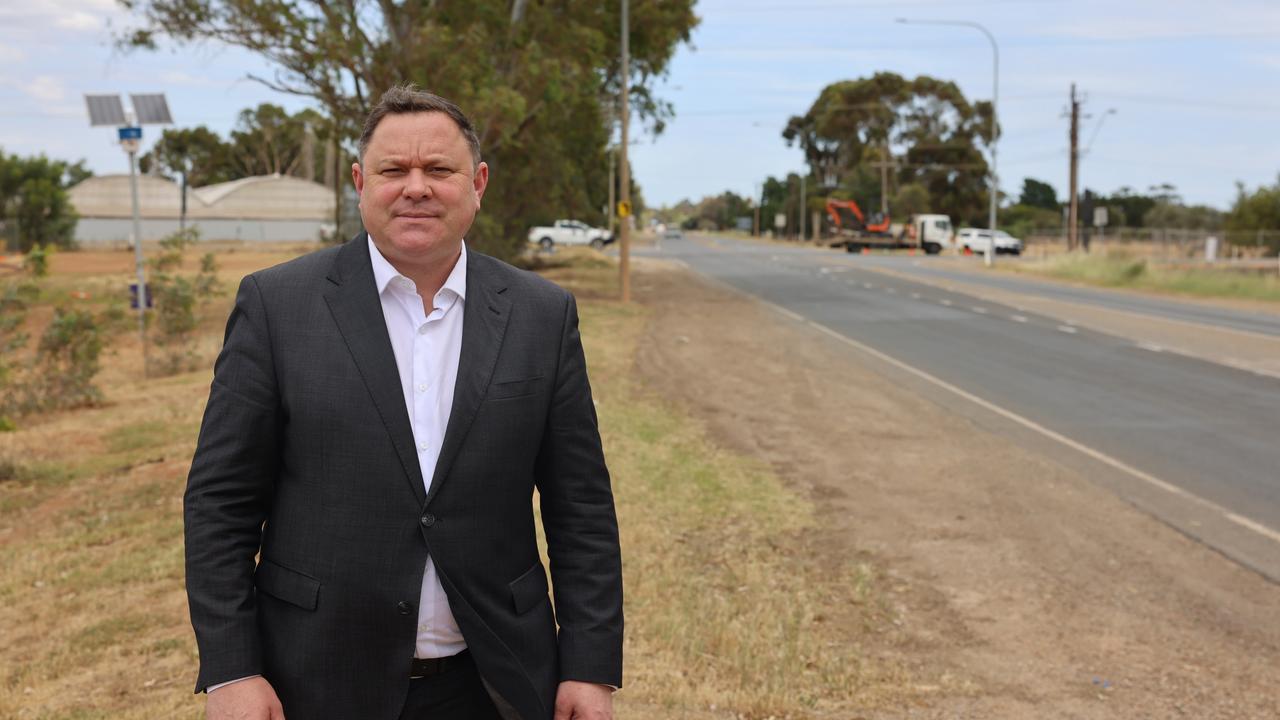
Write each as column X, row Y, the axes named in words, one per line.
column 408, row 99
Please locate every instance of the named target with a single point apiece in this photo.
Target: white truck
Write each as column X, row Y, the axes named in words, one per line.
column 569, row 232
column 931, row 233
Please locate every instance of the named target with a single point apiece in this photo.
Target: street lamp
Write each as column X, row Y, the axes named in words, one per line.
column 995, row 98
column 146, row 110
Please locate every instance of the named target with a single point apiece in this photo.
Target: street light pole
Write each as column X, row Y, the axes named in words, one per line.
column 624, row 166
column 995, row 126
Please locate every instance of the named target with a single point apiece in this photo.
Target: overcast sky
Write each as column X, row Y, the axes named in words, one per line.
column 1195, row 86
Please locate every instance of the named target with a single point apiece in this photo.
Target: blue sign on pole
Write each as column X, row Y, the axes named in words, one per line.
column 133, row 296
column 130, row 133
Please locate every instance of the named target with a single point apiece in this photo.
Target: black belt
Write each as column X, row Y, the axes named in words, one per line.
column 426, row 667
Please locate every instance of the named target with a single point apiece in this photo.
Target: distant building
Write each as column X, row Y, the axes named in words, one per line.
column 263, row 208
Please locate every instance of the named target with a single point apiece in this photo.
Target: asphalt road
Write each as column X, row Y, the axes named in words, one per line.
column 1195, row 443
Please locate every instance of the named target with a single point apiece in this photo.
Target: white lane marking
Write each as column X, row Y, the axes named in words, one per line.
column 891, row 290
column 1098, row 455
column 915, row 296
column 787, row 313
column 1151, row 346
column 946, row 302
column 979, row 310
column 1254, row 526
column 1067, row 329
column 1018, row 318
column 977, row 288
column 868, row 286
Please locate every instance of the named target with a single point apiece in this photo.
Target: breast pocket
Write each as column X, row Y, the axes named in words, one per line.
column 511, row 389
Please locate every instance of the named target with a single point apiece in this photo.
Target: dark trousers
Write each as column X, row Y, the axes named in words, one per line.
column 457, row 694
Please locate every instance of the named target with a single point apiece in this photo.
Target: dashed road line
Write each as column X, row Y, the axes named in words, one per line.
column 979, row 310
column 1067, row 329
column 1018, row 318
column 948, row 303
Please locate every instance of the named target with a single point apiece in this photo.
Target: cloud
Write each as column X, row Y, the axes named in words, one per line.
column 46, row 88
column 10, row 54
column 63, row 15
column 177, row 77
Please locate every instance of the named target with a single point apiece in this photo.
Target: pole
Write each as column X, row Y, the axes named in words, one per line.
column 1073, row 214
column 995, row 125
column 613, row 186
column 624, row 243
column 803, row 207
column 995, row 132
column 759, row 202
column 884, row 181
column 137, row 253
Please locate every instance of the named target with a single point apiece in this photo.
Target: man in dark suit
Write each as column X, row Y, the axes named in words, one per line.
column 359, row 525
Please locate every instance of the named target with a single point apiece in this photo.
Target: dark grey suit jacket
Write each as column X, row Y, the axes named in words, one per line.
column 306, row 456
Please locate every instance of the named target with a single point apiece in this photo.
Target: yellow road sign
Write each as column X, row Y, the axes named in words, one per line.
column 624, row 209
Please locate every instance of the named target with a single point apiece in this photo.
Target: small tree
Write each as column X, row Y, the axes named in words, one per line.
column 67, row 361
column 175, row 300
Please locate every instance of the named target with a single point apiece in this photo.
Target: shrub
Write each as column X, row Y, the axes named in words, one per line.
column 175, row 299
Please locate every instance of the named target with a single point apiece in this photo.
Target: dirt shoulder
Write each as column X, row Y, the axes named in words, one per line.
column 1018, row 588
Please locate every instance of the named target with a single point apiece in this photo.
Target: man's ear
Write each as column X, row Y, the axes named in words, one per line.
column 357, row 177
column 480, row 181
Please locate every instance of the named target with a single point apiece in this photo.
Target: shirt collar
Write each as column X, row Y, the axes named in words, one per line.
column 384, row 272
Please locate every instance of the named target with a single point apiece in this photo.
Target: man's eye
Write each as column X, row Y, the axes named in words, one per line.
column 393, row 171
column 441, row 171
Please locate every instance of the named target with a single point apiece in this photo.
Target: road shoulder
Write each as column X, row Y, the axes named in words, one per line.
column 1019, row 588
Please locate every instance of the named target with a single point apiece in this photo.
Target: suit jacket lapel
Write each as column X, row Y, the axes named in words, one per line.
column 357, row 310
column 484, row 323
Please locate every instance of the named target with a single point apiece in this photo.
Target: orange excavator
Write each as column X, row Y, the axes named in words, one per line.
column 854, row 230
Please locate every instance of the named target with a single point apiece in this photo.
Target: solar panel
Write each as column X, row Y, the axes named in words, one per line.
column 151, row 109
column 105, row 110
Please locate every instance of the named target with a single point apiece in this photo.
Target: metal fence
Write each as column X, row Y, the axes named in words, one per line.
column 1160, row 243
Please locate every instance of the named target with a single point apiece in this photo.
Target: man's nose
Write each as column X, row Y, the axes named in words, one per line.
column 417, row 185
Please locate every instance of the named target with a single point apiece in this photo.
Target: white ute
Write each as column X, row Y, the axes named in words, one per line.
column 569, row 232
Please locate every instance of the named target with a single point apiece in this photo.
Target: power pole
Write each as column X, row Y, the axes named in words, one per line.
column 624, row 166
column 803, row 207
column 613, row 185
column 759, row 202
column 1073, row 214
column 884, row 163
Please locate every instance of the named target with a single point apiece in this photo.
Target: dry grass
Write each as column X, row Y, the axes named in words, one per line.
column 1128, row 270
column 730, row 612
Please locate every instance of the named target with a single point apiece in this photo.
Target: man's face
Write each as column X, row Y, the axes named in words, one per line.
column 419, row 191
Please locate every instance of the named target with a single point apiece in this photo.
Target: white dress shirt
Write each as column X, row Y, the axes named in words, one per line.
column 426, row 347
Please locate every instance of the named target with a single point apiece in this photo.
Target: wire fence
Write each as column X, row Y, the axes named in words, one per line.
column 1172, row 244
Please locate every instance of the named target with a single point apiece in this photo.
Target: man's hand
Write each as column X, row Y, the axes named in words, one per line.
column 252, row 699
column 584, row 701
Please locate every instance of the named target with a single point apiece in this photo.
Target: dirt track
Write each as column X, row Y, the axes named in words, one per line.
column 1018, row 588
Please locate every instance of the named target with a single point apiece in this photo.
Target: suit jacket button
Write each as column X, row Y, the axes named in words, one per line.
column 428, row 520
column 404, row 607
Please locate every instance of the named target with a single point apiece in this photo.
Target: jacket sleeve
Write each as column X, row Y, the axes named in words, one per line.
column 580, row 523
column 229, row 491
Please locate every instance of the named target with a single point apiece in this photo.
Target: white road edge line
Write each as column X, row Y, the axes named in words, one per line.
column 946, row 302
column 979, row 310
column 1254, row 526
column 1067, row 329
column 1035, row 426
column 1018, row 318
